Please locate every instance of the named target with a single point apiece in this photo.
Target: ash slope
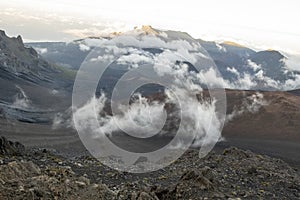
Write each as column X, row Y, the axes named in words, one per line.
column 273, row 129
column 277, row 119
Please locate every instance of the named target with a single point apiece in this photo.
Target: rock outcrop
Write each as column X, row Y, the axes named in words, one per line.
column 10, row 148
column 233, row 174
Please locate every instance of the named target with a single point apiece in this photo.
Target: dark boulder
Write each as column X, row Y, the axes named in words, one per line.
column 8, row 147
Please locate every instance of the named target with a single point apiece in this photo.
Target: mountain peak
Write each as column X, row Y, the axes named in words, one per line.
column 5, row 38
column 147, row 29
column 19, row 39
column 144, row 29
column 230, row 43
column 18, row 57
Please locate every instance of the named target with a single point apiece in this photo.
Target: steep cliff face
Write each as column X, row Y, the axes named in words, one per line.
column 21, row 62
column 28, row 83
column 14, row 48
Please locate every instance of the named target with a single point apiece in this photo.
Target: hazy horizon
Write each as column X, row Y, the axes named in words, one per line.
column 260, row 27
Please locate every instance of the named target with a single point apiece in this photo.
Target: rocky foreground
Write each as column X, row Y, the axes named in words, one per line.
column 231, row 174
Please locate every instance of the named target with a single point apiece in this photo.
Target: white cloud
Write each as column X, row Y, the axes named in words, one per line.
column 221, row 48
column 268, row 81
column 105, row 57
column 41, row 50
column 253, row 65
column 83, row 47
column 84, row 32
column 233, row 71
column 244, row 82
column 147, row 41
column 54, row 92
column 21, row 99
column 134, row 60
column 292, row 84
column 293, row 62
column 211, row 78
column 250, row 104
column 199, row 118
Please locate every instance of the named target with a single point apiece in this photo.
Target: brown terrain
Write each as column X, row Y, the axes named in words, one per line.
column 273, row 129
column 279, row 119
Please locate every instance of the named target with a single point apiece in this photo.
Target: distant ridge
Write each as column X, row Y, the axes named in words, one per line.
column 232, row 44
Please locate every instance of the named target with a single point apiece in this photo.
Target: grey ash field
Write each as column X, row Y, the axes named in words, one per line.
column 258, row 159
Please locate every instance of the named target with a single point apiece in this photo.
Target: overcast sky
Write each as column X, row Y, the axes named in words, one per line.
column 261, row 23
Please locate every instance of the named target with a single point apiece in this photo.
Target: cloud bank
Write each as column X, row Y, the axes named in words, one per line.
column 142, row 118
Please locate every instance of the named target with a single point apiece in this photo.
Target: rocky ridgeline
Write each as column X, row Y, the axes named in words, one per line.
column 232, row 174
column 21, row 63
column 16, row 58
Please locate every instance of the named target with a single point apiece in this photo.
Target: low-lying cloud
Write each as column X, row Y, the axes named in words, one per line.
column 250, row 104
column 201, row 118
column 142, row 118
column 21, row 99
column 41, row 51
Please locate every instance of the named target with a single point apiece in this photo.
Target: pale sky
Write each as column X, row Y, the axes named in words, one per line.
column 262, row 24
